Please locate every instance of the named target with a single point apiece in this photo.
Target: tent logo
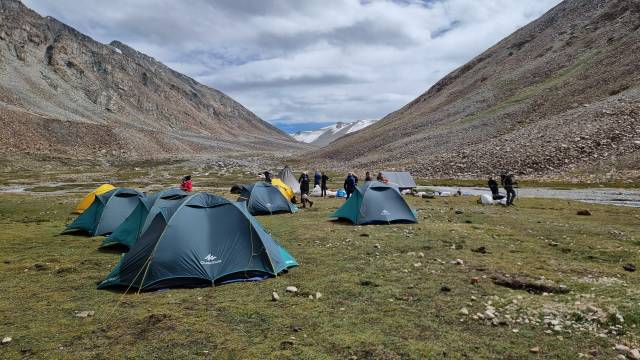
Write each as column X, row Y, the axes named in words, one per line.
column 385, row 213
column 210, row 260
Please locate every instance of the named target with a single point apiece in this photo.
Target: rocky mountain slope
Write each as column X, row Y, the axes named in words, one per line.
column 328, row 134
column 61, row 92
column 560, row 96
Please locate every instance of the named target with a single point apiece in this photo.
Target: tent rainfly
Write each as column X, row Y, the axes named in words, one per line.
column 129, row 231
column 401, row 179
column 376, row 203
column 106, row 212
column 263, row 198
column 287, row 177
column 88, row 200
column 208, row 240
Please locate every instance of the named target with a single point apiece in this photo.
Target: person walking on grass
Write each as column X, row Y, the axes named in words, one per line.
column 508, row 186
column 304, row 189
column 349, row 184
column 323, row 184
column 493, row 186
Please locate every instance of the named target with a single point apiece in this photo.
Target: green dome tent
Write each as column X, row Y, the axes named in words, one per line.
column 128, row 232
column 207, row 240
column 107, row 212
column 376, row 203
column 263, row 198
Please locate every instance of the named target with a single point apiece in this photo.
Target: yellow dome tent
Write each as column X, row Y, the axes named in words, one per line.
column 285, row 189
column 88, row 200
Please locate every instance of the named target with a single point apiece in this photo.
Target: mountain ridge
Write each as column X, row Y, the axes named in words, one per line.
column 326, row 135
column 53, row 76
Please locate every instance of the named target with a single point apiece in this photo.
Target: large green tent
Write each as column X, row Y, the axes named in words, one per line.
column 128, row 232
column 376, row 203
column 207, row 240
column 107, row 212
column 263, row 198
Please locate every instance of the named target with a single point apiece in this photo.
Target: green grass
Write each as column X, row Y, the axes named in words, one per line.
column 375, row 303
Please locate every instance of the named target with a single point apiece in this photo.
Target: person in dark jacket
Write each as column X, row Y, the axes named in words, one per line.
column 493, row 186
column 349, row 184
column 267, row 177
column 317, row 177
column 323, row 184
column 508, row 186
column 368, row 177
column 304, row 189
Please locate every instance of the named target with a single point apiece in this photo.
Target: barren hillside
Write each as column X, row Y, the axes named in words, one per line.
column 559, row 96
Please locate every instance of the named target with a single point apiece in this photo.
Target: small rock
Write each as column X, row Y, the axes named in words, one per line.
column 475, row 280
column 464, row 311
column 459, row 212
column 421, row 254
column 311, row 297
column 458, row 262
column 481, row 250
column 621, row 357
column 445, row 288
column 291, row 289
column 629, row 267
column 634, row 354
column 418, row 264
column 6, row 340
column 622, row 349
column 489, row 314
column 584, row 213
column 377, row 246
column 275, row 296
column 534, row 350
column 84, row 314
column 318, row 295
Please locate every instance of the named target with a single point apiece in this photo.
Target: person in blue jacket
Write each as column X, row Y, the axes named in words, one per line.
column 317, row 178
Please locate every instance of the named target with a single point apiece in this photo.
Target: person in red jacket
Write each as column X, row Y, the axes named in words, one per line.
column 186, row 184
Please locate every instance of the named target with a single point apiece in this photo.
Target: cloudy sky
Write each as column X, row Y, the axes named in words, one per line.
column 297, row 62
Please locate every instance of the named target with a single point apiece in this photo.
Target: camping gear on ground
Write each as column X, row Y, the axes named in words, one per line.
column 317, row 192
column 487, row 199
column 208, row 240
column 402, row 179
column 286, row 175
column 376, row 203
column 263, row 198
column 285, row 189
column 341, row 193
column 129, row 231
column 88, row 199
column 106, row 212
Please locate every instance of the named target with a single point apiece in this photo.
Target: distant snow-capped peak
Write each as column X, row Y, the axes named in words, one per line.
column 328, row 134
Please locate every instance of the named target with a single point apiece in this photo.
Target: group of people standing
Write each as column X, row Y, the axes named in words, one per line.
column 507, row 182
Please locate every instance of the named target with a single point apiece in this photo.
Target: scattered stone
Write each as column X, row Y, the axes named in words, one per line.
column 445, row 288
column 528, row 285
column 6, row 340
column 481, row 250
column 418, row 264
column 534, row 350
column 291, row 289
column 40, row 267
column 622, row 349
column 275, row 296
column 629, row 267
column 318, row 295
column 475, row 280
column 459, row 212
column 464, row 311
column 489, row 315
column 311, row 297
column 584, row 213
column 421, row 254
column 377, row 246
column 84, row 314
column 634, row 354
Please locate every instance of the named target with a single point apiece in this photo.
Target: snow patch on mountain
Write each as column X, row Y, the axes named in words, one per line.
column 328, row 134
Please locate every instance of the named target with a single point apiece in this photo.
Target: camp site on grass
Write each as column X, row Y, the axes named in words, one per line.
column 208, row 240
column 376, row 203
column 263, row 198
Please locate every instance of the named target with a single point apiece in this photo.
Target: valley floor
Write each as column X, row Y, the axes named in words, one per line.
column 388, row 292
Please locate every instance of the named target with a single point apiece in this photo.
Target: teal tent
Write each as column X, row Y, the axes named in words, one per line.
column 376, row 203
column 263, row 198
column 128, row 232
column 106, row 212
column 207, row 240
